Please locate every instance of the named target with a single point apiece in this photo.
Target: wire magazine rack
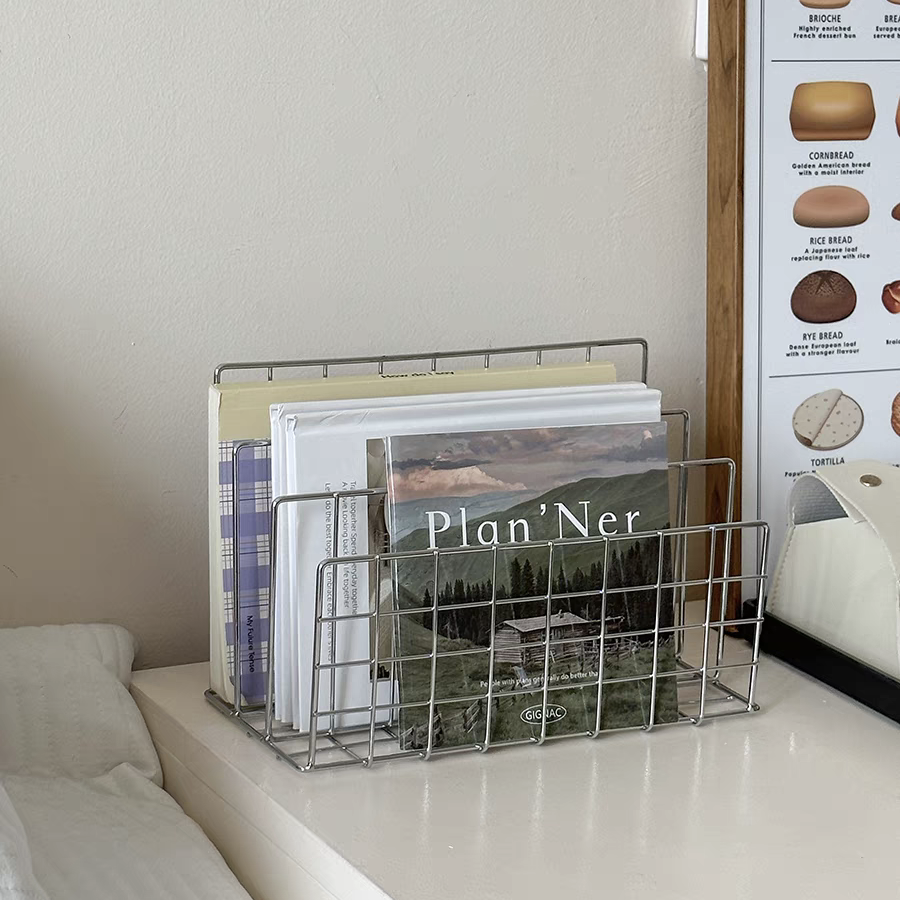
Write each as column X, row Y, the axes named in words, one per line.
column 715, row 674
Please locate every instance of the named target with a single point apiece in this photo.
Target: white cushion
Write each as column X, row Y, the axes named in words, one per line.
column 64, row 703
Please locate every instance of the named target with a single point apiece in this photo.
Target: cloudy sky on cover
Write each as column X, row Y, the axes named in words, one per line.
column 531, row 459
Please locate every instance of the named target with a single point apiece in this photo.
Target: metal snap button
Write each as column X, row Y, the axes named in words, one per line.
column 869, row 480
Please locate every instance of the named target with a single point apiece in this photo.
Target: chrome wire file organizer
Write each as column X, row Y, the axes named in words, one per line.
column 713, row 674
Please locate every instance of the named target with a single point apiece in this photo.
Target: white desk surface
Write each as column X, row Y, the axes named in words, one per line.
column 801, row 800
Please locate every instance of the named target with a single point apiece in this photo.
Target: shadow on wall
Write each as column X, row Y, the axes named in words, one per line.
column 84, row 537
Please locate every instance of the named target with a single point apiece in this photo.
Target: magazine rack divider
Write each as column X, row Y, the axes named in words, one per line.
column 700, row 570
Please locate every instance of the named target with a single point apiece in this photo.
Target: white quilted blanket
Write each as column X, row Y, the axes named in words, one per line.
column 115, row 837
column 17, row 881
column 82, row 816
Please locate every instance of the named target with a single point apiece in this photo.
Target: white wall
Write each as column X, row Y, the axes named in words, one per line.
column 191, row 182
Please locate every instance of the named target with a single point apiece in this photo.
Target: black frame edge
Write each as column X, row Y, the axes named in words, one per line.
column 839, row 671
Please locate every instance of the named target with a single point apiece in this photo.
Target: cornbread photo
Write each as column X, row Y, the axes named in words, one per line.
column 832, row 111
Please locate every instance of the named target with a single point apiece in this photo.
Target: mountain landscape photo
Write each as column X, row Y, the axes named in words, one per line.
column 502, row 489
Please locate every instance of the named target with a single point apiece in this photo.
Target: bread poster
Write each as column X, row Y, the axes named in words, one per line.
column 821, row 244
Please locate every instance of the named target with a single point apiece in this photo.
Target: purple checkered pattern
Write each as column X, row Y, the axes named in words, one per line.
column 255, row 497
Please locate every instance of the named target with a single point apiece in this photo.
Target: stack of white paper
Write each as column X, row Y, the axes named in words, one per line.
column 321, row 446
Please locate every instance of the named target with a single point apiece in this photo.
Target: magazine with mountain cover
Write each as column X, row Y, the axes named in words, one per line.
column 503, row 489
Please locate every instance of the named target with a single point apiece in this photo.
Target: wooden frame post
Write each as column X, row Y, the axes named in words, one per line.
column 724, row 258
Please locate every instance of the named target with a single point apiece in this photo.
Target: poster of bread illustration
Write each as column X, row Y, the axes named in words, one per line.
column 821, row 360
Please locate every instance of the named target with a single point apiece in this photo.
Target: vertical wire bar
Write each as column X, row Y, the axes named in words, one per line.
column 587, row 354
column 429, row 747
column 434, row 362
column 270, row 374
column 270, row 650
column 682, row 542
column 487, row 360
column 654, row 674
column 333, row 673
column 685, row 435
column 546, row 686
column 236, row 559
column 396, row 667
column 316, row 666
column 726, row 564
column 325, row 370
column 602, row 656
column 538, row 357
column 704, row 666
column 680, row 567
column 381, row 367
column 683, row 575
column 374, row 698
column 760, row 609
column 490, row 691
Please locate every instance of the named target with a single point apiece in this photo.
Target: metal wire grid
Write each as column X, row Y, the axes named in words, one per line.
column 327, row 746
column 333, row 746
column 487, row 355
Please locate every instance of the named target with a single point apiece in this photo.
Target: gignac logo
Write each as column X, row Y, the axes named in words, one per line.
column 534, row 714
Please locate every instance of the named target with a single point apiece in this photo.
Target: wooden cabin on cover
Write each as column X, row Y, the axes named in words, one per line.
column 521, row 641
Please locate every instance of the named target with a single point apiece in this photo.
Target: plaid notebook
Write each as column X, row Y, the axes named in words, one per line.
column 252, row 608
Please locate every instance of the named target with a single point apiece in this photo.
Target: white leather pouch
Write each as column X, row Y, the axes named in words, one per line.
column 838, row 578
